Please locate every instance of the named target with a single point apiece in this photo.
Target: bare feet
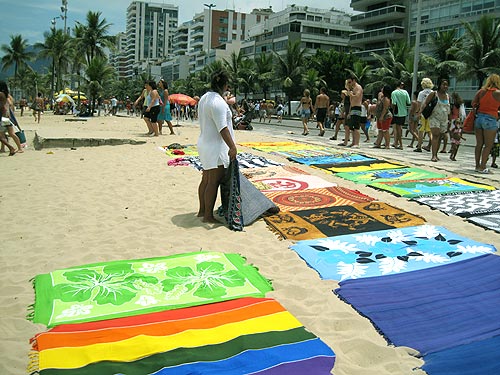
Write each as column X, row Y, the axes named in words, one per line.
column 210, row 220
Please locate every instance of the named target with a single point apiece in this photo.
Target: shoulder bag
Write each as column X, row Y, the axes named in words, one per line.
column 427, row 111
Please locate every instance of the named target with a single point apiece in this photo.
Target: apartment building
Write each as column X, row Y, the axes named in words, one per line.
column 150, row 34
column 314, row 28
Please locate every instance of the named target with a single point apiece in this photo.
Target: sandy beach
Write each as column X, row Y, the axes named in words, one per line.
column 64, row 207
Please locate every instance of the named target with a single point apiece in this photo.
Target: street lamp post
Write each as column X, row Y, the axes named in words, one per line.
column 209, row 6
column 64, row 10
column 416, row 50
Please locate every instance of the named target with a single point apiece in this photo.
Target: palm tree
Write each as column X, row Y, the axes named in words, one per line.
column 395, row 67
column 264, row 72
column 290, row 67
column 98, row 72
column 246, row 78
column 480, row 52
column 361, row 71
column 93, row 36
column 442, row 59
column 55, row 47
column 313, row 80
column 233, row 69
column 15, row 54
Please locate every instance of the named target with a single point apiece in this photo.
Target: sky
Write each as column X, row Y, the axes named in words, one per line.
column 31, row 18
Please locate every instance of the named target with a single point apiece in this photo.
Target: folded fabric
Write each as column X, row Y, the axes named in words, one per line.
column 490, row 221
column 433, row 309
column 242, row 202
column 385, row 175
column 339, row 220
column 387, row 252
column 420, row 188
column 131, row 287
column 247, row 335
column 464, row 204
column 307, row 199
column 368, row 165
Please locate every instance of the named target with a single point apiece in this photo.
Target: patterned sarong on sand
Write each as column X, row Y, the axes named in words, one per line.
column 387, row 252
column 360, row 166
column 290, row 183
column 252, row 335
column 420, row 188
column 307, row 153
column 385, row 175
column 279, row 146
column 308, row 199
column 336, row 221
column 490, row 221
column 333, row 159
column 269, row 172
column 464, row 204
column 433, row 309
column 131, row 287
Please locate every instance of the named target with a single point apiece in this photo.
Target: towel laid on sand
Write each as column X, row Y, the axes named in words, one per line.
column 339, row 220
column 359, row 166
column 252, row 335
column 307, row 199
column 464, row 204
column 385, row 175
column 432, row 186
column 490, row 221
column 387, row 252
column 131, row 287
column 433, row 309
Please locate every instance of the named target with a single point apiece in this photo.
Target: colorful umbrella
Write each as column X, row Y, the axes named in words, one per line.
column 181, row 99
column 65, row 98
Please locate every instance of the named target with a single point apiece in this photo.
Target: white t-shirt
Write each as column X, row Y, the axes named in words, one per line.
column 422, row 95
column 214, row 115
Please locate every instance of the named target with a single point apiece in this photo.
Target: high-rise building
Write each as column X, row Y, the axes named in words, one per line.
column 314, row 28
column 150, row 34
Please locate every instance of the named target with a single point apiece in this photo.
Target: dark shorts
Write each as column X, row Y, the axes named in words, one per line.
column 153, row 113
column 399, row 120
column 321, row 115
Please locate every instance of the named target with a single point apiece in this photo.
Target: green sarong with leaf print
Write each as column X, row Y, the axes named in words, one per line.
column 131, row 287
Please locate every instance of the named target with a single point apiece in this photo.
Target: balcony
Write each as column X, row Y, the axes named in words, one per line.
column 362, row 5
column 390, row 13
column 386, row 33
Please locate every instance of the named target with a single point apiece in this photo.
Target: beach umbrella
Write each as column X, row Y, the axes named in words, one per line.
column 65, row 98
column 182, row 99
column 82, row 96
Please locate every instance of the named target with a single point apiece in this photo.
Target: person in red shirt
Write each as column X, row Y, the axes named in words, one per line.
column 486, row 102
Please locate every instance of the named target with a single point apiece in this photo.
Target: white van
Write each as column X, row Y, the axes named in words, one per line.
column 294, row 104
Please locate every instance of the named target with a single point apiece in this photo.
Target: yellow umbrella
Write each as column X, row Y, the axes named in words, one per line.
column 82, row 96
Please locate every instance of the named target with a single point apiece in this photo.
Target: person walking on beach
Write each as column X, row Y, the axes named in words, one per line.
column 400, row 102
column 5, row 122
column 456, row 137
column 306, row 110
column 322, row 104
column 153, row 109
column 164, row 115
column 384, row 117
column 413, row 120
column 340, row 115
column 8, row 125
column 354, row 119
column 485, row 125
column 440, row 118
column 38, row 107
column 427, row 86
column 216, row 145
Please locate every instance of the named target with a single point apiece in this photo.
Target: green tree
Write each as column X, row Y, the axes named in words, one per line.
column 332, row 66
column 395, row 66
column 264, row 72
column 480, row 51
column 442, row 59
column 98, row 73
column 55, row 47
column 246, row 76
column 312, row 80
column 16, row 54
column 290, row 68
column 233, row 67
column 93, row 36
